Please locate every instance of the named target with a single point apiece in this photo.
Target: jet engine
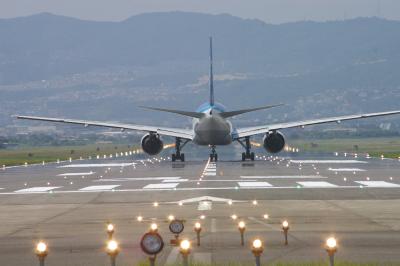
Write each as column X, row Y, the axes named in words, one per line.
column 152, row 144
column 274, row 142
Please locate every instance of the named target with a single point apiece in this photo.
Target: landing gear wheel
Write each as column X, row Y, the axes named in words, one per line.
column 173, row 156
column 252, row 156
column 243, row 156
column 182, row 157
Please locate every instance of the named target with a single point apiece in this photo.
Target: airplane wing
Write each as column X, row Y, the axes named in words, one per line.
column 250, row 131
column 172, row 132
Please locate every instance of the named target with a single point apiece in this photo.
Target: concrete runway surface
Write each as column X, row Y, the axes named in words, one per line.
column 67, row 205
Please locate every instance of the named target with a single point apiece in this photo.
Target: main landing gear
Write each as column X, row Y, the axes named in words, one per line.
column 213, row 154
column 178, row 146
column 246, row 155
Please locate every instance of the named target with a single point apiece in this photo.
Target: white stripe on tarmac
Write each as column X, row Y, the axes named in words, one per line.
column 346, row 169
column 316, row 184
column 381, row 184
column 254, row 184
column 204, row 205
column 161, row 186
column 325, row 161
column 210, row 174
column 99, row 188
column 176, row 180
column 136, row 179
column 187, row 189
column 36, row 189
column 76, row 174
column 284, row 177
column 97, row 165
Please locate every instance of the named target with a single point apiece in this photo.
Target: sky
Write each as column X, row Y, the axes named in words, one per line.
column 270, row 11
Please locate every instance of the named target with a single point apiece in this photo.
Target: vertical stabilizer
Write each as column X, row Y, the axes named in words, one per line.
column 211, row 82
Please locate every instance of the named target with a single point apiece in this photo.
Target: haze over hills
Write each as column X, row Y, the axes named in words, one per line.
column 59, row 66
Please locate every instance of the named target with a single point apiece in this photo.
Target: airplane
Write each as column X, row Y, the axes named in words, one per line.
column 211, row 127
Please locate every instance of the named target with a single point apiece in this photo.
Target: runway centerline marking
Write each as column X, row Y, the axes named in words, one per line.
column 36, row 189
column 316, row 184
column 284, row 177
column 161, row 185
column 254, row 184
column 380, row 184
column 99, row 188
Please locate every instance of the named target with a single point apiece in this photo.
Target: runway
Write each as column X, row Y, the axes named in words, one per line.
column 68, row 203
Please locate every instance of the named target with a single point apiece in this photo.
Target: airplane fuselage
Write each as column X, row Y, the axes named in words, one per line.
column 212, row 129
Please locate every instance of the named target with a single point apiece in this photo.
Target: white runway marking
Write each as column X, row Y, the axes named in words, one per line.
column 76, row 174
column 377, row 184
column 175, row 180
column 210, row 174
column 36, row 189
column 97, row 165
column 254, row 184
column 346, row 169
column 164, row 186
column 316, row 184
column 99, row 188
column 137, row 179
column 204, row 205
column 325, row 161
column 283, row 177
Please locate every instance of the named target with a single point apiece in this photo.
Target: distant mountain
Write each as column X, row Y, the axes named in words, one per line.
column 44, row 45
column 64, row 66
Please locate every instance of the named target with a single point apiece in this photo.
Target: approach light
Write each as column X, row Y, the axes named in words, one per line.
column 241, row 225
column 171, row 217
column 110, row 228
column 331, row 243
column 41, row 248
column 154, row 227
column 185, row 245
column 285, row 224
column 257, row 244
column 139, row 218
column 234, row 216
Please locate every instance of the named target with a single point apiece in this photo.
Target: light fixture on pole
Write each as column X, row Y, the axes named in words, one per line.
column 285, row 228
column 110, row 230
column 331, row 248
column 41, row 252
column 185, row 248
column 154, row 228
column 112, row 250
column 257, row 249
column 197, row 229
column 242, row 228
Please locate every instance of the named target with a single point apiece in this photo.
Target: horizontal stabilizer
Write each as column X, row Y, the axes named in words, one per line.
column 179, row 112
column 243, row 111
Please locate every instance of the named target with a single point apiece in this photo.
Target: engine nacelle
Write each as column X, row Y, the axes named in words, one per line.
column 152, row 144
column 274, row 142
